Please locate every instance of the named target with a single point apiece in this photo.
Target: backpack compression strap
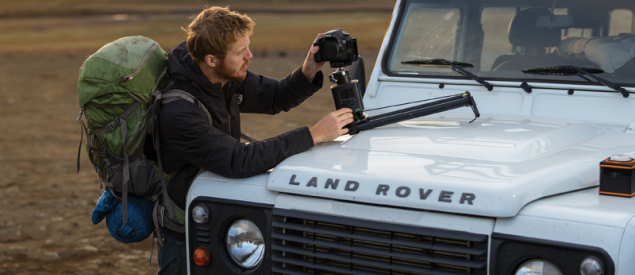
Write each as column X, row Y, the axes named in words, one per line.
column 90, row 142
column 121, row 120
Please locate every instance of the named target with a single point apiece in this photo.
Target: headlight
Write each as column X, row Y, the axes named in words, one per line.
column 591, row 266
column 200, row 214
column 537, row 267
column 245, row 243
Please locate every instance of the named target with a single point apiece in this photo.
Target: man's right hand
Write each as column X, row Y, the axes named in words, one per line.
column 331, row 126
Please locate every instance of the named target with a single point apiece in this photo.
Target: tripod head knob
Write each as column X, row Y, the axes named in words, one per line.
column 340, row 77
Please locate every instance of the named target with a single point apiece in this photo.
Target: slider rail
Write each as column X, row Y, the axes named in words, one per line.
column 429, row 108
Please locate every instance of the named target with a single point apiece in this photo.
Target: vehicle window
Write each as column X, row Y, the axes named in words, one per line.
column 574, row 31
column 621, row 22
column 496, row 22
column 503, row 38
column 436, row 40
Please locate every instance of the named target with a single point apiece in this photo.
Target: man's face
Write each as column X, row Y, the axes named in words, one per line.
column 234, row 67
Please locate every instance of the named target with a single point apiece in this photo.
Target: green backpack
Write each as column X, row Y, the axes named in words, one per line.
column 119, row 87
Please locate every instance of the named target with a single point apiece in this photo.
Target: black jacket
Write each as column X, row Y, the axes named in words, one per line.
column 189, row 143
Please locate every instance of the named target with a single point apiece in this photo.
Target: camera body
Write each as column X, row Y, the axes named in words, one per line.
column 617, row 177
column 347, row 94
column 337, row 47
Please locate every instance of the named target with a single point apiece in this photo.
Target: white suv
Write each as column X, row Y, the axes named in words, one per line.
column 514, row 192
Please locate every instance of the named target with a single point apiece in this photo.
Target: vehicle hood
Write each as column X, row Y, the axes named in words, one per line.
column 491, row 167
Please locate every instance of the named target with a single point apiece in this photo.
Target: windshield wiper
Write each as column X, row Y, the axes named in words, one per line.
column 573, row 70
column 457, row 66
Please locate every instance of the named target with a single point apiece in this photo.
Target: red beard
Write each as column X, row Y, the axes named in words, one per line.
column 230, row 74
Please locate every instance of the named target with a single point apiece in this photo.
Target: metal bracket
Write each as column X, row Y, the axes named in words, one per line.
column 79, row 118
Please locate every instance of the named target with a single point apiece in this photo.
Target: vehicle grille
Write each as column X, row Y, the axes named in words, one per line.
column 307, row 243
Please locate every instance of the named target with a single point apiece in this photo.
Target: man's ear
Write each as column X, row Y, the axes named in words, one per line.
column 211, row 60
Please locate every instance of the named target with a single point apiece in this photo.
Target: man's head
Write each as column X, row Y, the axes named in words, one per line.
column 218, row 40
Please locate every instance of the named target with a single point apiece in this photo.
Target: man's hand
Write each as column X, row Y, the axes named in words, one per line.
column 330, row 127
column 310, row 67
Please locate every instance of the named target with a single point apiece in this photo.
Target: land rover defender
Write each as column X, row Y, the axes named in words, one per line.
column 540, row 183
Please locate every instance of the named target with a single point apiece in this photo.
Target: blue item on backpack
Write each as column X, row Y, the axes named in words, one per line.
column 140, row 224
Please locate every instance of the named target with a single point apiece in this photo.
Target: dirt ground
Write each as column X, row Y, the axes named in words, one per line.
column 45, row 206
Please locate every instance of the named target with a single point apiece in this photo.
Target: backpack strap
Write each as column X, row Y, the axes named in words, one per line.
column 126, row 161
column 158, row 213
column 118, row 121
column 82, row 129
column 121, row 121
column 173, row 95
column 89, row 139
column 156, row 142
column 90, row 142
column 176, row 94
column 160, row 219
column 247, row 138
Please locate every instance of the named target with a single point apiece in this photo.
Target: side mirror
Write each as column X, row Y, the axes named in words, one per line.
column 358, row 72
column 555, row 21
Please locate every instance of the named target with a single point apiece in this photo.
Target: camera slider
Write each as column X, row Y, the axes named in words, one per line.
column 464, row 99
column 346, row 94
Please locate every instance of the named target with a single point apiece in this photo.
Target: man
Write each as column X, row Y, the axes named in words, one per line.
column 212, row 66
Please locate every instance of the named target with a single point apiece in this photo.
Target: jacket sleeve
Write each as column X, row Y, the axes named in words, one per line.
column 266, row 95
column 206, row 147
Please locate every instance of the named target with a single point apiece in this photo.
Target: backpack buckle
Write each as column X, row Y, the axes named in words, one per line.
column 113, row 125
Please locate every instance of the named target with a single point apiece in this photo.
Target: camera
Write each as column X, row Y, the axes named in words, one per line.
column 337, row 47
column 347, row 94
column 340, row 49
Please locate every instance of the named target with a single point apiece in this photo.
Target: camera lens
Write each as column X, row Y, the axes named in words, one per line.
column 331, row 50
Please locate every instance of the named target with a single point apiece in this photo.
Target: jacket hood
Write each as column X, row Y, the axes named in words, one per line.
column 183, row 68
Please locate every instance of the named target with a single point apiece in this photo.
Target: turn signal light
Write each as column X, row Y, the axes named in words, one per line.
column 202, row 256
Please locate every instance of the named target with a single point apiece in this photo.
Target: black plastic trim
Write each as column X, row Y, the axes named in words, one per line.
column 202, row 240
column 222, row 213
column 203, row 228
column 433, row 232
column 202, row 234
column 438, row 247
column 355, row 260
column 508, row 252
column 234, row 202
column 298, row 256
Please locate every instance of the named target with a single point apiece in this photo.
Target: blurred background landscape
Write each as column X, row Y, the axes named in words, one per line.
column 39, row 25
column 45, row 204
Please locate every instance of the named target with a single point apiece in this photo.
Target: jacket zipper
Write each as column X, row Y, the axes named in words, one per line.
column 229, row 116
column 143, row 62
column 229, row 121
column 229, row 113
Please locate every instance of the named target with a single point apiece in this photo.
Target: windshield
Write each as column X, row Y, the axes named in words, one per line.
column 503, row 38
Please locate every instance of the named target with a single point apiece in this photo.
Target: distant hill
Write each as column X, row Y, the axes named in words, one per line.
column 71, row 25
column 48, row 8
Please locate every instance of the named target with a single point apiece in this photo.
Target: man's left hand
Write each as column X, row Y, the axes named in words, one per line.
column 310, row 67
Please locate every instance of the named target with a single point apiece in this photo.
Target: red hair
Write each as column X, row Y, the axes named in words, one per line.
column 214, row 30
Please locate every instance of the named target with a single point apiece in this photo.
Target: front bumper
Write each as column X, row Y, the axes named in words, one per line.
column 301, row 241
